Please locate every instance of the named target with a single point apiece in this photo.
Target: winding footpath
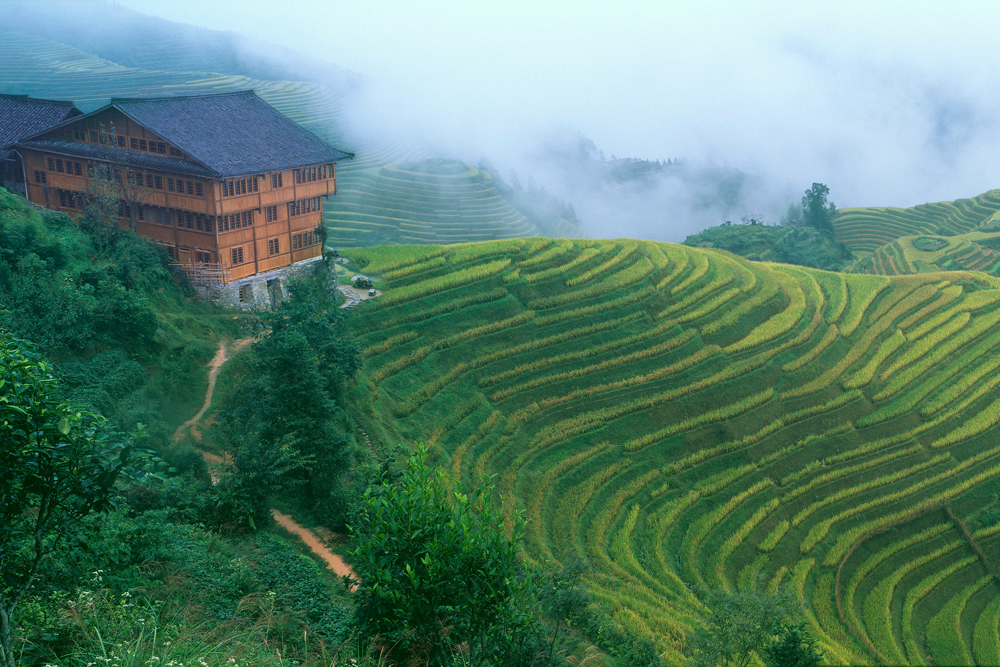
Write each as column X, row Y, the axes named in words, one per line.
column 332, row 560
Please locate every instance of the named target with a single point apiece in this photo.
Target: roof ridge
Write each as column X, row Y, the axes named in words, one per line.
column 29, row 98
column 170, row 98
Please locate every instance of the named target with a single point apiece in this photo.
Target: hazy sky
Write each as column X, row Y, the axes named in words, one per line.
column 893, row 104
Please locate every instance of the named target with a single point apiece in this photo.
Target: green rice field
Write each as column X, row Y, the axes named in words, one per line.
column 680, row 417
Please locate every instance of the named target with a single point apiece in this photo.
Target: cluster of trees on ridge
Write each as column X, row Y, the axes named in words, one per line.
column 804, row 237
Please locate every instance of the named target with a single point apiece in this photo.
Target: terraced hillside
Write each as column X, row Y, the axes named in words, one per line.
column 974, row 251
column 866, row 229
column 421, row 202
column 678, row 416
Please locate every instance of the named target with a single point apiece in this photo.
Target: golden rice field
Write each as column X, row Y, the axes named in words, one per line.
column 680, row 417
column 972, row 251
column 864, row 230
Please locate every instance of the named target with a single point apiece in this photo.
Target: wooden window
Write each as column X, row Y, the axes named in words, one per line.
column 272, row 247
column 59, row 165
column 159, row 217
column 121, row 142
column 79, row 136
column 172, row 252
column 149, row 180
column 158, row 182
column 208, row 223
column 104, row 137
column 175, row 153
column 62, row 199
column 142, row 144
column 203, row 257
column 190, row 188
column 190, row 220
column 199, row 191
column 141, row 213
column 276, row 180
column 77, row 169
column 135, row 144
column 246, row 294
column 93, row 137
column 161, row 147
column 51, row 163
column 238, row 259
column 40, row 177
column 170, row 185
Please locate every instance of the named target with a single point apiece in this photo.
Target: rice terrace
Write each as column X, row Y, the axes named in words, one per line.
column 682, row 417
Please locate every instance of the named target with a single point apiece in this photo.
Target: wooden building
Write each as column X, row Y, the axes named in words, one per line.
column 227, row 184
column 22, row 116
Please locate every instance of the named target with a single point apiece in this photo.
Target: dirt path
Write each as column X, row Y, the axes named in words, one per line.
column 332, row 560
column 221, row 356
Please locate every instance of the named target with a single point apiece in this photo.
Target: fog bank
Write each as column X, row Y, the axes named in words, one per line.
column 890, row 105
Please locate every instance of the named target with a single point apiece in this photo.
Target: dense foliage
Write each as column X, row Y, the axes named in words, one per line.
column 741, row 626
column 100, row 302
column 283, row 423
column 803, row 246
column 58, row 464
column 805, row 236
column 439, row 575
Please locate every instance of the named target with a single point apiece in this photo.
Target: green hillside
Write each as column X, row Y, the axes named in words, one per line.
column 866, row 229
column 679, row 416
column 803, row 246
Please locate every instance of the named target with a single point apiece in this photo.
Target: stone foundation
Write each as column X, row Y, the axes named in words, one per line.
column 263, row 291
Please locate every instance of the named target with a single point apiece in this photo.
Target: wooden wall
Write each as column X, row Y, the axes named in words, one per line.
column 253, row 240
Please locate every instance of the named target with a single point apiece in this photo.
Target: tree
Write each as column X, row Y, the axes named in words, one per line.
column 58, row 464
column 816, row 212
column 438, row 572
column 794, row 647
column 280, row 424
column 739, row 625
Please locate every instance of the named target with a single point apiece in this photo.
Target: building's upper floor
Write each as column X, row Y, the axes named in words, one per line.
column 228, row 149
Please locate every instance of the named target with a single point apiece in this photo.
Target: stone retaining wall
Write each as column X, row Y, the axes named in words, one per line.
column 263, row 291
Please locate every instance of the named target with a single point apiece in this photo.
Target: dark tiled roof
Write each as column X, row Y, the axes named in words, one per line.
column 232, row 134
column 105, row 153
column 22, row 116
